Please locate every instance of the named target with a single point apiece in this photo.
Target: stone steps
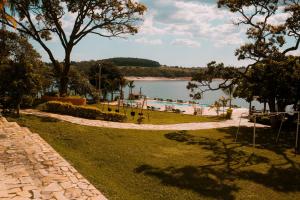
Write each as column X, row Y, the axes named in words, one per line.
column 31, row 169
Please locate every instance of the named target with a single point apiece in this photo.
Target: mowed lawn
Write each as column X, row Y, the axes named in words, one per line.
column 158, row 117
column 206, row 164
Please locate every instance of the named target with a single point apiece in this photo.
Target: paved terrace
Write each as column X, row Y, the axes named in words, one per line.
column 32, row 169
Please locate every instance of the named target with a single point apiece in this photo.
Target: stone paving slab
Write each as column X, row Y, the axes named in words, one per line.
column 31, row 169
column 234, row 122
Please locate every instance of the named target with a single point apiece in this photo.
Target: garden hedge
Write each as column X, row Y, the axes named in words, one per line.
column 73, row 100
column 82, row 111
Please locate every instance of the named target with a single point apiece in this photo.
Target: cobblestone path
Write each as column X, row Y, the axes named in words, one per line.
column 31, row 169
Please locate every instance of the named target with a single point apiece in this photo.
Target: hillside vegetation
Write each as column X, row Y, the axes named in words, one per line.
column 134, row 62
column 139, row 67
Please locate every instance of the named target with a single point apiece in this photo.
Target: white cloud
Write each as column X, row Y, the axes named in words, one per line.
column 148, row 41
column 194, row 20
column 185, row 42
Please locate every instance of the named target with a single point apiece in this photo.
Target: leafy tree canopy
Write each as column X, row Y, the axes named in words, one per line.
column 22, row 73
column 42, row 20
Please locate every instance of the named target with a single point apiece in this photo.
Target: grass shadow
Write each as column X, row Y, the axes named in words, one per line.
column 228, row 163
column 205, row 181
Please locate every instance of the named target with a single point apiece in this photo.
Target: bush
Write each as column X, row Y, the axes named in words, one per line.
column 82, row 111
column 229, row 113
column 72, row 99
column 27, row 101
column 52, row 94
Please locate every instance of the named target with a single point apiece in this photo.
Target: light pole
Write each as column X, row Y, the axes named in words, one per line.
column 99, row 79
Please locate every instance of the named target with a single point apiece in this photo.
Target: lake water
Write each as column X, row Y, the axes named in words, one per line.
column 176, row 90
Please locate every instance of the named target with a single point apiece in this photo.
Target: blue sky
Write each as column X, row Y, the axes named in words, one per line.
column 187, row 33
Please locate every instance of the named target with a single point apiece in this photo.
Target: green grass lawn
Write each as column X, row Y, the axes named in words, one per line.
column 150, row 165
column 157, row 117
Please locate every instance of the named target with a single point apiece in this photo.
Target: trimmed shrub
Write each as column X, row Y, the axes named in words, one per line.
column 82, row 111
column 73, row 100
column 229, row 113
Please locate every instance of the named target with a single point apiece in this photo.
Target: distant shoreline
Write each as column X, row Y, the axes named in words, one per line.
column 135, row 78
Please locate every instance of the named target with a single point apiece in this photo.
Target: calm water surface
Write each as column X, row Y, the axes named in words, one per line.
column 176, row 90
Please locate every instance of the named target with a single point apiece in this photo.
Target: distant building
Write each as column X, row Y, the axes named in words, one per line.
column 135, row 96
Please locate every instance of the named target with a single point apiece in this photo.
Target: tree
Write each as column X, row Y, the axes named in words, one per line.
column 122, row 83
column 131, row 87
column 109, row 72
column 80, row 84
column 21, row 70
column 4, row 15
column 229, row 92
column 268, row 47
column 41, row 20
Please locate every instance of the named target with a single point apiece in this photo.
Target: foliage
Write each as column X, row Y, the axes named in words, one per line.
column 274, row 83
column 217, row 106
column 22, row 73
column 75, row 100
column 140, row 71
column 4, row 15
column 274, row 75
column 82, row 111
column 110, row 75
column 169, row 72
column 269, row 44
column 80, row 84
column 133, row 62
column 229, row 113
column 43, row 20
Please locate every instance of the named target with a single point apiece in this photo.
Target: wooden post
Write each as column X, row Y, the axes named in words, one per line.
column 238, row 130
column 254, row 132
column 297, row 133
column 279, row 131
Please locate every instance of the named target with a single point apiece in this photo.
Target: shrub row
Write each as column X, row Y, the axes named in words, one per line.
column 82, row 111
column 74, row 100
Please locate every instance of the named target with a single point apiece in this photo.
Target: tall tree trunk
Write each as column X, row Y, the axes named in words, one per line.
column 63, row 86
column 265, row 106
column 112, row 96
column 64, row 76
column 230, row 98
column 250, row 107
column 121, row 97
column 272, row 104
column 18, row 105
column 281, row 106
column 18, row 109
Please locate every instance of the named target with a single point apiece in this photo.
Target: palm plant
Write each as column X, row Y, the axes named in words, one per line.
column 223, row 101
column 216, row 106
column 122, row 83
column 131, row 86
column 229, row 92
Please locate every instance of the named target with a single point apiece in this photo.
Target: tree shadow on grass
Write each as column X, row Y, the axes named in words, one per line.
column 227, row 164
column 50, row 119
column 265, row 138
column 203, row 180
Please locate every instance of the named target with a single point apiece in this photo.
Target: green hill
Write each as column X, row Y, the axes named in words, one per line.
column 134, row 62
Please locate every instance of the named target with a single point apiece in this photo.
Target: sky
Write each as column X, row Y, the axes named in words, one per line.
column 189, row 33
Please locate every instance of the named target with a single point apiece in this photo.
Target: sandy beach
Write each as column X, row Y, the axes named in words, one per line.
column 135, row 78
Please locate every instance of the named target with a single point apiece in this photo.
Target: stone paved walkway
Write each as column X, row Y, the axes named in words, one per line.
column 31, row 169
column 186, row 126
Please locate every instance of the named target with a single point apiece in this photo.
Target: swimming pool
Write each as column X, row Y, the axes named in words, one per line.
column 163, row 104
